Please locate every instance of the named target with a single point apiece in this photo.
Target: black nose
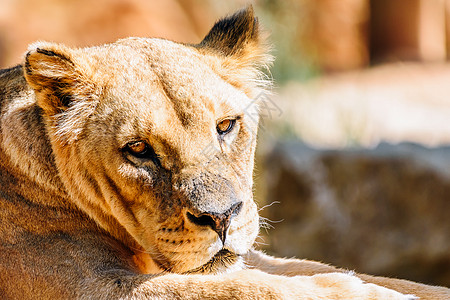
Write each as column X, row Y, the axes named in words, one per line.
column 219, row 222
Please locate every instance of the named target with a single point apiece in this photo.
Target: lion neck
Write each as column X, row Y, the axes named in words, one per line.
column 26, row 153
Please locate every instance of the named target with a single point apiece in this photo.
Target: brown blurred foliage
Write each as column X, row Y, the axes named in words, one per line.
column 324, row 35
column 333, row 36
column 85, row 22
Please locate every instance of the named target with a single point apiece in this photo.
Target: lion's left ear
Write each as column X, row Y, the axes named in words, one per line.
column 240, row 44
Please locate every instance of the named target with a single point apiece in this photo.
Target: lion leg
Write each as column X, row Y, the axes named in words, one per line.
column 87, row 266
column 293, row 267
column 244, row 284
column 286, row 266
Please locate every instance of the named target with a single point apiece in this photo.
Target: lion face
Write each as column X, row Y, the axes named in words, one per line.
column 155, row 140
column 169, row 162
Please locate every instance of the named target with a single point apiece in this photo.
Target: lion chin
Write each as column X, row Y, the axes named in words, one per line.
column 223, row 261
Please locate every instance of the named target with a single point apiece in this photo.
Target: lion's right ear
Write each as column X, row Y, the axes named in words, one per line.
column 57, row 80
column 63, row 87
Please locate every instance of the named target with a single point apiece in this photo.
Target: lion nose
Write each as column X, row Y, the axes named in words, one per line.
column 219, row 222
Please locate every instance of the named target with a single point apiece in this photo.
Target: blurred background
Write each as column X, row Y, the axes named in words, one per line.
column 352, row 163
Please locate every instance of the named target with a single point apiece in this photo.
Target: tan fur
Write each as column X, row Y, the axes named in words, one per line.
column 82, row 217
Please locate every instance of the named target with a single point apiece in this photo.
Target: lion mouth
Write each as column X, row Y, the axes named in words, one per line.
column 220, row 262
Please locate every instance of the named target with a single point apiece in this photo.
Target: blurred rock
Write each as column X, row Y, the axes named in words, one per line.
column 383, row 211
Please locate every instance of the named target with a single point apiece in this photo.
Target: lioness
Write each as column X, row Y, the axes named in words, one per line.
column 109, row 188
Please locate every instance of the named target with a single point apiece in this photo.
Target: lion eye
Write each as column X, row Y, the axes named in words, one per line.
column 225, row 126
column 142, row 150
column 137, row 148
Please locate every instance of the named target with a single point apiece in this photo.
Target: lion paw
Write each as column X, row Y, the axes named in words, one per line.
column 347, row 286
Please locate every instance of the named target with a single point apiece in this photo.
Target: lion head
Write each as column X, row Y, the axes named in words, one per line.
column 155, row 140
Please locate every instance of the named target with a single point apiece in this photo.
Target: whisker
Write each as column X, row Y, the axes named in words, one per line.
column 265, row 223
column 261, row 243
column 266, row 226
column 264, row 219
column 268, row 205
column 260, row 237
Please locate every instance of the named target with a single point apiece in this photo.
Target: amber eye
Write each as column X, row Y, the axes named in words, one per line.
column 137, row 148
column 225, row 126
column 142, row 150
